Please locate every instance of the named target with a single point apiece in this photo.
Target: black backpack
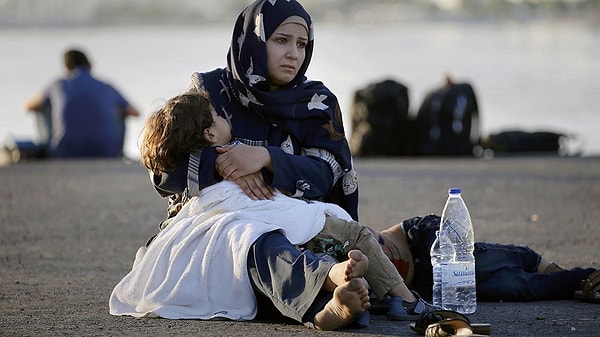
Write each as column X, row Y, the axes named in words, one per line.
column 517, row 141
column 380, row 121
column 448, row 121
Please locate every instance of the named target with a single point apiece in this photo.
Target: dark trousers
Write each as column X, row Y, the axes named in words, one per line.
column 287, row 281
column 502, row 272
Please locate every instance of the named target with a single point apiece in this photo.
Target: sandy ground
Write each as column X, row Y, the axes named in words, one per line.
column 69, row 231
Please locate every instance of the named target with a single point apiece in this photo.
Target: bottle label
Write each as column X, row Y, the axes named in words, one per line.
column 458, row 274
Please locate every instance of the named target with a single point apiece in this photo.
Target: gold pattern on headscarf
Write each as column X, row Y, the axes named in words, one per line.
column 337, row 120
column 333, row 133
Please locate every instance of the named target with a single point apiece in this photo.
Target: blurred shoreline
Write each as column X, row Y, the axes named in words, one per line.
column 68, row 13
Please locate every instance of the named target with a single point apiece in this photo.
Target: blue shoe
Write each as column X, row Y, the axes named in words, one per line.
column 364, row 320
column 401, row 310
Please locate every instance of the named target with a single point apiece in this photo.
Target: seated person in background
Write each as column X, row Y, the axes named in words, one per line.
column 79, row 115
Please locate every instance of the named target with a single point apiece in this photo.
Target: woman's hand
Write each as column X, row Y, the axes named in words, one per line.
column 240, row 160
column 254, row 186
column 242, row 164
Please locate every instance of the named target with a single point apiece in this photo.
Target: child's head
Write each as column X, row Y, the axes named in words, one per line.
column 184, row 124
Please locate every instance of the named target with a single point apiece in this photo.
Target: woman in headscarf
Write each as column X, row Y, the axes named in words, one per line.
column 292, row 138
column 291, row 127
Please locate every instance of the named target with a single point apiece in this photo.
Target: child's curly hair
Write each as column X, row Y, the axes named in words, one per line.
column 174, row 131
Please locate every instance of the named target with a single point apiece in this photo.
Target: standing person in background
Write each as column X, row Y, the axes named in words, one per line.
column 79, row 115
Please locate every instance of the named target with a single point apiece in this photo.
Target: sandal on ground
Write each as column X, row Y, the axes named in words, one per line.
column 428, row 318
column 450, row 327
column 590, row 288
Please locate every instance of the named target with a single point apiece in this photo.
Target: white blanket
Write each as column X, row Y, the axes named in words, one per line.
column 196, row 267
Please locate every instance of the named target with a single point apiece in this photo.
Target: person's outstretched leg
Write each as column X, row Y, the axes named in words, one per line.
column 382, row 275
column 511, row 273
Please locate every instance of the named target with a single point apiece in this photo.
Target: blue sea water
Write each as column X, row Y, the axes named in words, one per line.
column 528, row 76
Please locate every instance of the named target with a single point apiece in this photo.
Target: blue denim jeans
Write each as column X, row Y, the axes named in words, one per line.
column 509, row 273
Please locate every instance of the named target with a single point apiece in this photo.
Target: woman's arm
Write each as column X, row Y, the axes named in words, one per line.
column 176, row 180
column 301, row 176
column 307, row 176
column 237, row 161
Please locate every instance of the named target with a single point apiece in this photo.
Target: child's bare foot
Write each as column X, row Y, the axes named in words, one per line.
column 355, row 267
column 349, row 301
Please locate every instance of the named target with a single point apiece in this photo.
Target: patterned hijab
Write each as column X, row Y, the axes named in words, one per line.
column 247, row 57
column 307, row 110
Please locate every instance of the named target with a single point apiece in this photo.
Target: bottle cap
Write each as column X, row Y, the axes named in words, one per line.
column 454, row 190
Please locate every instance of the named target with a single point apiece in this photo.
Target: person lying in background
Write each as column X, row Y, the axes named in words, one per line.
column 504, row 272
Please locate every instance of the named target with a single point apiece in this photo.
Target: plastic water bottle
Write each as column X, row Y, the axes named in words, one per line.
column 458, row 278
column 442, row 252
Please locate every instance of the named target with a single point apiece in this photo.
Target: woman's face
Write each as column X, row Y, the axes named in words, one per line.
column 286, row 50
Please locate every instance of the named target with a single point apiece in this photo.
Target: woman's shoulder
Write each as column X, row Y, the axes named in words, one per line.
column 201, row 79
column 214, row 72
column 318, row 87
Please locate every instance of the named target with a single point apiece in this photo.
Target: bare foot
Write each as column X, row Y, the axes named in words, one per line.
column 349, row 301
column 355, row 267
